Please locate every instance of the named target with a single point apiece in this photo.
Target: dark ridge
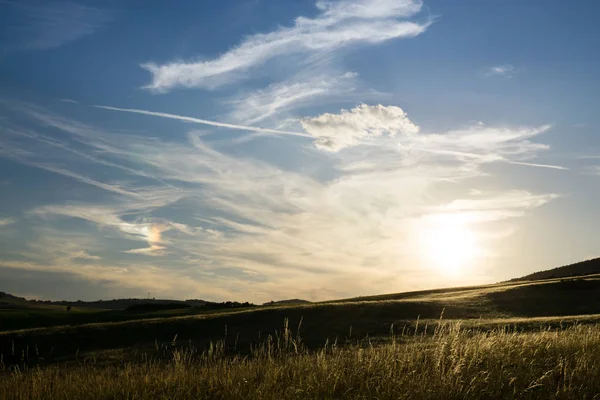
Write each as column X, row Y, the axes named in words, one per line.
column 587, row 267
column 9, row 301
column 286, row 302
column 157, row 307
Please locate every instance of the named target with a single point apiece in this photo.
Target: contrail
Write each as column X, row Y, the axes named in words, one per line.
column 204, row 121
column 481, row 157
column 537, row 165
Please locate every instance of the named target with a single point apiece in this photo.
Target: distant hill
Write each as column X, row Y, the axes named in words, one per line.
column 587, row 267
column 9, row 301
column 115, row 304
column 286, row 302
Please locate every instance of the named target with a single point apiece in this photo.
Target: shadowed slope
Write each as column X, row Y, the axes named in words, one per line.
column 322, row 321
column 587, row 267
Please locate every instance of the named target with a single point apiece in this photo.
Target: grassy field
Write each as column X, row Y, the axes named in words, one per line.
column 526, row 339
column 449, row 362
column 40, row 317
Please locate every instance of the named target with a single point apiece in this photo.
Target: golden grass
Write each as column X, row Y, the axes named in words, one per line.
column 451, row 362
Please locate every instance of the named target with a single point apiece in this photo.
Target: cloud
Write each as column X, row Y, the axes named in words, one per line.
column 593, row 170
column 145, row 229
column 152, row 234
column 151, row 250
column 482, row 144
column 520, row 200
column 50, row 250
column 505, row 70
column 539, row 165
column 60, row 246
column 304, row 89
column 82, row 254
column 203, row 121
column 581, row 125
column 42, row 26
column 336, row 26
column 336, row 131
column 7, row 221
column 238, row 226
column 110, row 187
column 139, row 277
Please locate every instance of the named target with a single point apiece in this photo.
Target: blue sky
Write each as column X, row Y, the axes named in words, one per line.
column 260, row 150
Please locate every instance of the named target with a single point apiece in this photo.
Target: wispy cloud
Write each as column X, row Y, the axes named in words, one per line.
column 39, row 25
column 336, row 214
column 138, row 277
column 203, row 121
column 7, row 221
column 505, row 70
column 208, row 213
column 153, row 235
column 255, row 106
column 539, row 165
column 145, row 229
column 476, row 144
column 152, row 250
column 84, row 255
column 592, row 170
column 338, row 25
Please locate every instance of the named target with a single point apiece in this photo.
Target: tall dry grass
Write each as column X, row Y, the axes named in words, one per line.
column 450, row 363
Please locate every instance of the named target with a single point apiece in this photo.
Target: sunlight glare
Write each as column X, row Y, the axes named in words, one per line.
column 449, row 245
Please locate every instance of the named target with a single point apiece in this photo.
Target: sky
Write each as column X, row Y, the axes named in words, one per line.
column 262, row 150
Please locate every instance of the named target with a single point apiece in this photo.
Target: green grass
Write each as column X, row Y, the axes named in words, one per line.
column 451, row 362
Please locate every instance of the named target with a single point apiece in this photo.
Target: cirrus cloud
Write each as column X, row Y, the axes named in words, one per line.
column 338, row 25
column 257, row 227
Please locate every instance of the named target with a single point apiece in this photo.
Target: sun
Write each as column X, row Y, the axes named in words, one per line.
column 449, row 245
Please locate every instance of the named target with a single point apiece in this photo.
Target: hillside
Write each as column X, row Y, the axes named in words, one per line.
column 524, row 304
column 7, row 299
column 10, row 301
column 288, row 302
column 587, row 267
column 115, row 304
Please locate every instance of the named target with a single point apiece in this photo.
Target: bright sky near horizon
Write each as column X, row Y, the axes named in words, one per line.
column 263, row 150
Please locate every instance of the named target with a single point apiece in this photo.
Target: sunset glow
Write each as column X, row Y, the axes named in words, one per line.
column 449, row 247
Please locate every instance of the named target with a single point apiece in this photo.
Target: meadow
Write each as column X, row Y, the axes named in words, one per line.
column 451, row 362
column 513, row 340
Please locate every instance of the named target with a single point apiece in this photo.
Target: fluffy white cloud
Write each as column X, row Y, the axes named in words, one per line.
column 339, row 24
column 336, row 131
column 474, row 145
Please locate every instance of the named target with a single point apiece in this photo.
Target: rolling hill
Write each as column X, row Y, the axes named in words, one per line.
column 587, row 267
column 524, row 302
